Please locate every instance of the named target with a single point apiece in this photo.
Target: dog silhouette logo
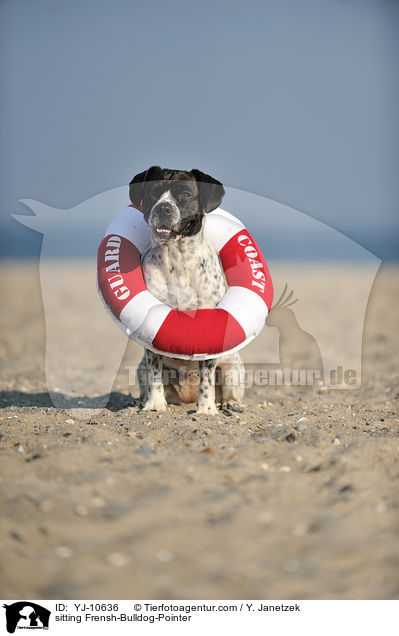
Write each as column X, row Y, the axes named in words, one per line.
column 326, row 327
column 26, row 615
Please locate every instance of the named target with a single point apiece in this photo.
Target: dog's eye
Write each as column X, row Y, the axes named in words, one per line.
column 185, row 195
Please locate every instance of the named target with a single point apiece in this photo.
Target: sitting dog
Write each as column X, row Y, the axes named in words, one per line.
column 182, row 269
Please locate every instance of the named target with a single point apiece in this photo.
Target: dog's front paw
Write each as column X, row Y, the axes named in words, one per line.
column 155, row 403
column 207, row 408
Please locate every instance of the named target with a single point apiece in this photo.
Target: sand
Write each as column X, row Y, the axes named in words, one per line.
column 297, row 497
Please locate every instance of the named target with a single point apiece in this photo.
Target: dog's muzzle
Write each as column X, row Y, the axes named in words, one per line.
column 164, row 220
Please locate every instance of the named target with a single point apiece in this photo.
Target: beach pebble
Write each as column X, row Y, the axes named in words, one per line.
column 285, row 469
column 63, row 551
column 117, row 559
column 346, row 488
column 70, row 421
column 380, row 507
column 336, row 441
column 301, row 428
column 14, row 534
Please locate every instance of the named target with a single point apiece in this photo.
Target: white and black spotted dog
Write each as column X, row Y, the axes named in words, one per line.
column 182, row 269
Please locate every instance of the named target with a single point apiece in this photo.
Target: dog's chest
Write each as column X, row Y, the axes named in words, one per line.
column 184, row 274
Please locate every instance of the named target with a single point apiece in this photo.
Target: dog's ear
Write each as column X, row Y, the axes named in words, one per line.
column 211, row 191
column 137, row 184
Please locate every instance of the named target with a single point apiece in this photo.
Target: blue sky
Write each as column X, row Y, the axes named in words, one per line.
column 295, row 100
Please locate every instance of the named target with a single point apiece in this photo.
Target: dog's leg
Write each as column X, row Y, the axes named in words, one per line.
column 206, row 392
column 155, row 389
column 142, row 379
column 233, row 386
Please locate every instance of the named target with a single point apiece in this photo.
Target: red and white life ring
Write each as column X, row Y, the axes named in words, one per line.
column 197, row 334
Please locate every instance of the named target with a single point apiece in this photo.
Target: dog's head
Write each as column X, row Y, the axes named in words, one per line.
column 174, row 201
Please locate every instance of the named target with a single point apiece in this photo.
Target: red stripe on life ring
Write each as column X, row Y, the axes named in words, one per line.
column 244, row 266
column 120, row 277
column 199, row 331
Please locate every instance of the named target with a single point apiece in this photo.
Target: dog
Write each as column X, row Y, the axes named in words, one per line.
column 182, row 269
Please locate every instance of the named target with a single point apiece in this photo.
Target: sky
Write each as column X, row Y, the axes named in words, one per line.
column 293, row 100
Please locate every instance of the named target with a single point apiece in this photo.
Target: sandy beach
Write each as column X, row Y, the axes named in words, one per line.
column 297, row 497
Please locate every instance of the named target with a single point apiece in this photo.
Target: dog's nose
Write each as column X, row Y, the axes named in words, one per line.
column 164, row 209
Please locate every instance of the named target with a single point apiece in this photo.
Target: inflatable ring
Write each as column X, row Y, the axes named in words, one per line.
column 197, row 334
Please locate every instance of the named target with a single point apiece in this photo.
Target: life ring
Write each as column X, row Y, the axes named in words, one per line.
column 198, row 334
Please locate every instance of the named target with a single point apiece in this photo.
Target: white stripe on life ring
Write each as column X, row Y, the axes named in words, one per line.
column 220, row 227
column 144, row 315
column 246, row 307
column 130, row 224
